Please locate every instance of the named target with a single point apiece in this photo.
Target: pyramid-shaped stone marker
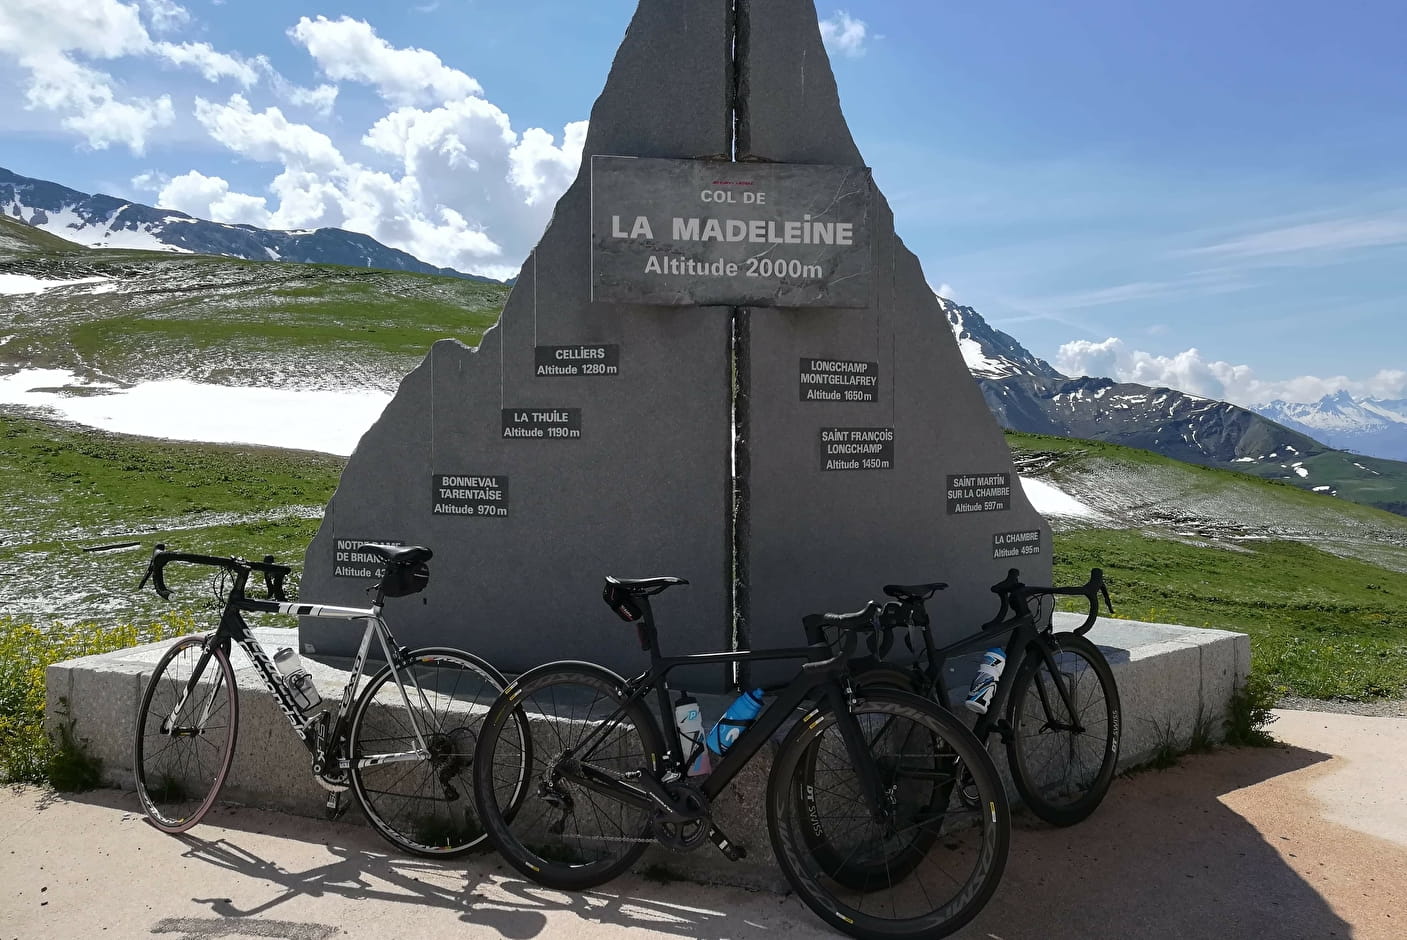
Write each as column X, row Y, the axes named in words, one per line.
column 677, row 294
column 631, row 474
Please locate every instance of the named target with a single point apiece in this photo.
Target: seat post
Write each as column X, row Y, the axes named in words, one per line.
column 649, row 636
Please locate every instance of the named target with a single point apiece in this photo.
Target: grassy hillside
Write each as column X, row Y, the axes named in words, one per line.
column 231, row 322
column 67, row 489
column 1317, row 582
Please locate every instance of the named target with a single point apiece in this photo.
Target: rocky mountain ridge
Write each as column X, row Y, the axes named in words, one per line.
column 101, row 221
column 1027, row 394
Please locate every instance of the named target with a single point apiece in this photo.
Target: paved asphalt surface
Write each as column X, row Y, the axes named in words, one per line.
column 1306, row 840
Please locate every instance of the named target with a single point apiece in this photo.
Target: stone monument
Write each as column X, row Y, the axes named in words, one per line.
column 719, row 363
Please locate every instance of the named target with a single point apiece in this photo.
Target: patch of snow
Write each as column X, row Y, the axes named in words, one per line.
column 25, row 284
column 1244, row 460
column 273, row 255
column 1322, row 489
column 1050, row 500
column 1367, row 470
column 304, row 419
column 1301, row 471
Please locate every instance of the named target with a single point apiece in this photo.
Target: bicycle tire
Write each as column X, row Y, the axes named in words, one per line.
column 973, row 842
column 424, row 807
column 1061, row 775
column 177, row 784
column 565, row 836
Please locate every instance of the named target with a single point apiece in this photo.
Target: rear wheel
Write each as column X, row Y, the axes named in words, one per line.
column 566, row 834
column 930, row 862
column 426, row 807
column 186, row 729
column 1062, row 763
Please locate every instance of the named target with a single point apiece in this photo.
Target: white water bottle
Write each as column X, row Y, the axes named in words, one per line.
column 300, row 681
column 984, row 684
column 689, row 721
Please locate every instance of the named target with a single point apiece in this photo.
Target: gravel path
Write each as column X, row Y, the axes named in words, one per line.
column 1383, row 708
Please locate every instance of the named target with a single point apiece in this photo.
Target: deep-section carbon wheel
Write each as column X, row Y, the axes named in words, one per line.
column 182, row 756
column 425, row 807
column 1062, row 764
column 929, row 862
column 567, row 834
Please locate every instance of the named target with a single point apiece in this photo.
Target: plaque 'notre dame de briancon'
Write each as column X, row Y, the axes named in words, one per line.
column 720, row 362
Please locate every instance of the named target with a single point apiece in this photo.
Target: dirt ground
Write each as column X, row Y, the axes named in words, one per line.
column 1306, row 840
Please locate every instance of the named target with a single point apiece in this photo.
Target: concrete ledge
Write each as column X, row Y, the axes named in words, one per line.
column 1170, row 678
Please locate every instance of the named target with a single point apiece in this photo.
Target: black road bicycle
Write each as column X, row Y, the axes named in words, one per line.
column 863, row 809
column 405, row 746
column 1055, row 706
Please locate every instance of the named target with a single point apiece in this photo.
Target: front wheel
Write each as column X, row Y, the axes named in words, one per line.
column 921, row 864
column 1062, row 762
column 186, row 729
column 425, row 806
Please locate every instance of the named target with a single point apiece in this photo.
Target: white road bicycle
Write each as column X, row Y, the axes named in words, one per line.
column 404, row 746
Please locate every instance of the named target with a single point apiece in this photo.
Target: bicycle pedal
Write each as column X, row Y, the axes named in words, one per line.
column 333, row 808
column 731, row 850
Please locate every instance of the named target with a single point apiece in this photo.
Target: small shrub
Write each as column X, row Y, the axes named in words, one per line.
column 1250, row 711
column 27, row 754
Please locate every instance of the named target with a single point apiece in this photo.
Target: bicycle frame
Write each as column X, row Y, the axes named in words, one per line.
column 1023, row 633
column 234, row 629
column 823, row 670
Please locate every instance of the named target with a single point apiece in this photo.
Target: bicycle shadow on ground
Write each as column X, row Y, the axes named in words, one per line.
column 1191, row 851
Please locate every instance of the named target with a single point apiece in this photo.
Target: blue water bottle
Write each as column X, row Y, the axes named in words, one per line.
column 740, row 714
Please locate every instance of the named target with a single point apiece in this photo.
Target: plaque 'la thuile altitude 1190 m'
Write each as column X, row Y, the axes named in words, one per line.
column 719, row 363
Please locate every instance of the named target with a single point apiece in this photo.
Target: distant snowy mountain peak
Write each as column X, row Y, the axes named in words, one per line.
column 1368, row 426
column 990, row 353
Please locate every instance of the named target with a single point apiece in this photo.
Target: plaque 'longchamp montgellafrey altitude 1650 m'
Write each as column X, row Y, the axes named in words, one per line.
column 697, row 232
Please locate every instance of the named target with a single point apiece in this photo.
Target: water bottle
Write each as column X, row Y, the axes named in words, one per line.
column 300, row 682
column 689, row 721
column 740, row 714
column 984, row 684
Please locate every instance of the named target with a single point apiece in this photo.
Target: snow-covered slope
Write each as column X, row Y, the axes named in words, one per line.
column 988, row 352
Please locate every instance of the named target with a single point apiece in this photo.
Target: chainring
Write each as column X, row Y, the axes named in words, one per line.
column 689, row 834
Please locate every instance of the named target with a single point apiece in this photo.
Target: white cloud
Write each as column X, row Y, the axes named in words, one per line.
column 102, row 29
column 348, row 49
column 467, row 191
column 1325, row 237
column 267, row 135
column 1190, row 371
column 165, row 15
column 209, row 197
column 211, row 64
column 91, row 107
column 844, row 35
column 50, row 38
column 945, row 291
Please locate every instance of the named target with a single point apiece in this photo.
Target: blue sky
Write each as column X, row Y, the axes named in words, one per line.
column 1206, row 195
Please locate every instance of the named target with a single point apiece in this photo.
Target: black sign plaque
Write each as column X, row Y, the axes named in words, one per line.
column 347, row 562
column 838, row 380
column 857, row 448
column 978, row 492
column 470, row 495
column 1016, row 544
column 544, row 424
column 583, row 359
